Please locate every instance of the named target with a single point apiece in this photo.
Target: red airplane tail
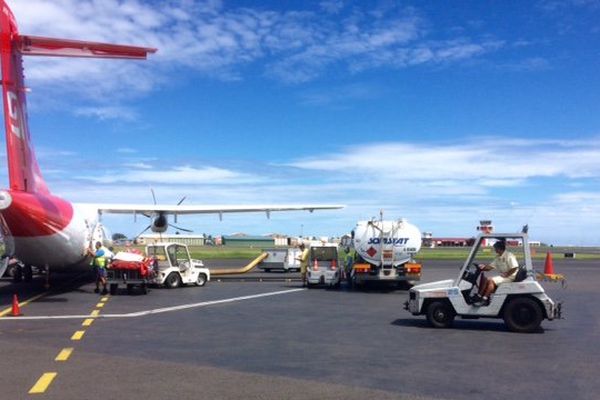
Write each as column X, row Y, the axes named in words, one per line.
column 23, row 171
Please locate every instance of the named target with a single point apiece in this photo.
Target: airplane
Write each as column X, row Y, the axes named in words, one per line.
column 39, row 228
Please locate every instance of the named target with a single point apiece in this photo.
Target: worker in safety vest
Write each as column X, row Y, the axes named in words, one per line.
column 349, row 261
column 99, row 263
column 303, row 262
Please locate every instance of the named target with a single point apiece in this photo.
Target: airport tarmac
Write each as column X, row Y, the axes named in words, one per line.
column 273, row 339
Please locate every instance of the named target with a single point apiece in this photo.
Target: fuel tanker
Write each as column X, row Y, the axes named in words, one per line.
column 384, row 251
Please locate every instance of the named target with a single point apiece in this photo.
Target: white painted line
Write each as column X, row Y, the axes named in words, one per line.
column 157, row 310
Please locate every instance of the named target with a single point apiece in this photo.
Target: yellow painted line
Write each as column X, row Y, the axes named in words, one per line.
column 99, row 305
column 95, row 313
column 104, row 299
column 64, row 354
column 42, row 384
column 77, row 335
column 87, row 322
column 8, row 310
column 22, row 303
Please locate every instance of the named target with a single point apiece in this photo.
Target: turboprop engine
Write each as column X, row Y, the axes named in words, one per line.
column 386, row 242
column 159, row 223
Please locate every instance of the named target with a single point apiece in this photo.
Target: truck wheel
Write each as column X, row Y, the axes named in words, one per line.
column 201, row 280
column 440, row 314
column 144, row 288
column 113, row 288
column 172, row 281
column 523, row 314
column 129, row 289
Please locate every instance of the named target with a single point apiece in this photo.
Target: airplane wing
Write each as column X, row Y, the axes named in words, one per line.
column 205, row 209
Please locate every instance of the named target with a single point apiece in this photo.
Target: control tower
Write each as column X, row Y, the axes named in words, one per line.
column 485, row 226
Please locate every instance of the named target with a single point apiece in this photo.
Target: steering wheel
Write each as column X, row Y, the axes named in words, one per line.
column 472, row 273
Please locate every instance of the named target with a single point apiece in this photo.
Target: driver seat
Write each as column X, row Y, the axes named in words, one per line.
column 521, row 274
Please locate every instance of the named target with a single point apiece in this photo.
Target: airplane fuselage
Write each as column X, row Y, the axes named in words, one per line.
column 45, row 230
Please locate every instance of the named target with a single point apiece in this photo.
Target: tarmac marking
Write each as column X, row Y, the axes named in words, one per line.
column 39, row 296
column 64, row 354
column 99, row 305
column 42, row 384
column 23, row 303
column 77, row 335
column 96, row 313
column 104, row 299
column 87, row 322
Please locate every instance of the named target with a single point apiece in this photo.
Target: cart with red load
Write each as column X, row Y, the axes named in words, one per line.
column 130, row 269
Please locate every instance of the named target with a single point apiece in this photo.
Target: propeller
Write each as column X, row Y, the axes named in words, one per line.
column 162, row 217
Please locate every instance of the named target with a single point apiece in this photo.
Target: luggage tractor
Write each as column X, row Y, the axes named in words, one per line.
column 174, row 266
column 522, row 304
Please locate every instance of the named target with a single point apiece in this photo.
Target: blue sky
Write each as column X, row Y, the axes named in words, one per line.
column 441, row 113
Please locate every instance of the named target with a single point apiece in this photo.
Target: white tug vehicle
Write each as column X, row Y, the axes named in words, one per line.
column 523, row 304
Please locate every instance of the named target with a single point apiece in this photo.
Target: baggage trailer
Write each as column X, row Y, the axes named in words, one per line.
column 130, row 269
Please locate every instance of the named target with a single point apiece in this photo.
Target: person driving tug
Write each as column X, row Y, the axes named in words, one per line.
column 506, row 263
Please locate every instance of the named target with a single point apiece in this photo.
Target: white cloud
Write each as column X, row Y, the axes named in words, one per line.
column 493, row 163
column 104, row 113
column 126, row 150
column 295, row 46
column 173, row 176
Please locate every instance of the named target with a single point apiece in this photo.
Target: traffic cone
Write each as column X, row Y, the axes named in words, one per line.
column 16, row 310
column 315, row 265
column 549, row 265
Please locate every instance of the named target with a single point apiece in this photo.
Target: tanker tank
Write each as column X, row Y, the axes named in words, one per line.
column 384, row 251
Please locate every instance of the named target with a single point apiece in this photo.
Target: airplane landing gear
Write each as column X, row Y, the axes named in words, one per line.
column 17, row 273
column 27, row 273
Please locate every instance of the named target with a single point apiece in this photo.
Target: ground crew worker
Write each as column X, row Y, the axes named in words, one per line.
column 349, row 261
column 303, row 262
column 99, row 262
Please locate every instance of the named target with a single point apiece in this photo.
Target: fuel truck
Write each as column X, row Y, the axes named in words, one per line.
column 383, row 251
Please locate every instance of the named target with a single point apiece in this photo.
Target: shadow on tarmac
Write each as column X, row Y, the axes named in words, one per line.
column 466, row 325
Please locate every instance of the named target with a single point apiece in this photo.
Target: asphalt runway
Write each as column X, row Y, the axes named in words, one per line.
column 275, row 340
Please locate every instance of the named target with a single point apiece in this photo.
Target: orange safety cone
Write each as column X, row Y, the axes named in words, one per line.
column 549, row 265
column 16, row 310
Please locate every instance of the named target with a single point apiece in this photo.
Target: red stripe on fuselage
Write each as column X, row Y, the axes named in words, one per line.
column 32, row 214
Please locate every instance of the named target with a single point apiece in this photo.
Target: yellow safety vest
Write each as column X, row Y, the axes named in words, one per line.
column 100, row 262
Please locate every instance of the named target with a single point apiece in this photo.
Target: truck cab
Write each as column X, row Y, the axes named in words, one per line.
column 173, row 265
column 323, row 266
column 522, row 303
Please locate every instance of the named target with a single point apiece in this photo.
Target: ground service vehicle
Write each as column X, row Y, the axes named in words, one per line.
column 286, row 259
column 384, row 252
column 131, row 269
column 173, row 265
column 523, row 304
column 322, row 267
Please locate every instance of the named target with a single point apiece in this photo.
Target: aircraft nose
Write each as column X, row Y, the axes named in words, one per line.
column 5, row 199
